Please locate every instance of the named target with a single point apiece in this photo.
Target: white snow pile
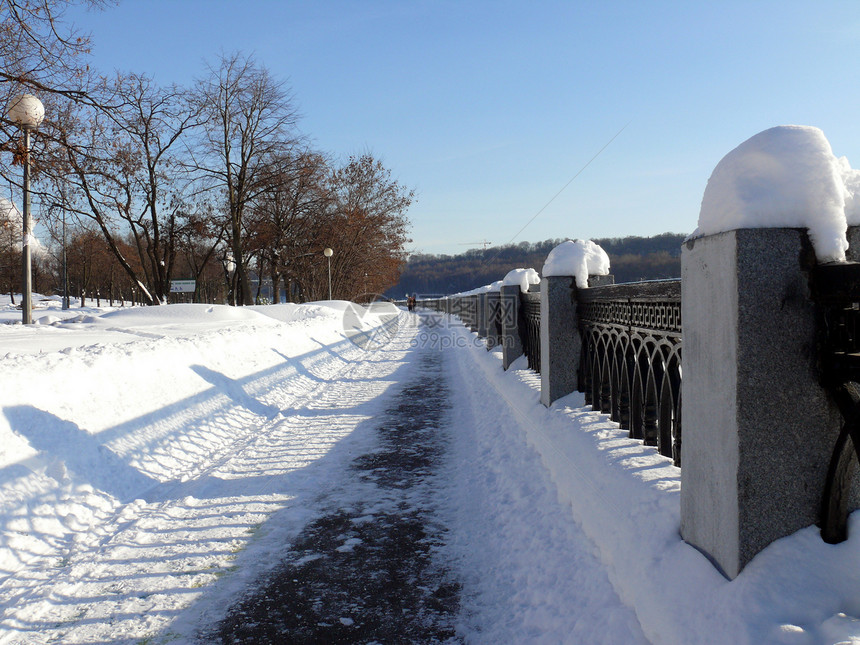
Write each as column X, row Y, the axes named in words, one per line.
column 487, row 288
column 578, row 258
column 494, row 286
column 786, row 176
column 142, row 450
column 522, row 277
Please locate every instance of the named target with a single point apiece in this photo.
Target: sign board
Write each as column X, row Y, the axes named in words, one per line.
column 182, row 286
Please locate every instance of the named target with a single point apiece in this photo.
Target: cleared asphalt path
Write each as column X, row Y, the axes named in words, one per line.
column 365, row 572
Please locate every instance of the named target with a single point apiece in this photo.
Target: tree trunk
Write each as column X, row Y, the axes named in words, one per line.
column 276, row 287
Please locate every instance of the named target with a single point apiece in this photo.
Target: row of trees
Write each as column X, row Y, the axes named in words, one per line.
column 212, row 182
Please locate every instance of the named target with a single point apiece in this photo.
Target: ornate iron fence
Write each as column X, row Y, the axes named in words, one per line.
column 836, row 290
column 466, row 308
column 630, row 365
column 472, row 312
column 529, row 328
column 494, row 320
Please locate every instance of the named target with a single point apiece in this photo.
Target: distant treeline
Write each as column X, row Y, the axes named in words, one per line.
column 631, row 259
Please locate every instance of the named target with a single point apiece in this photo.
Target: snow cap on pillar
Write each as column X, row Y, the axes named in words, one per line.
column 784, row 177
column 577, row 258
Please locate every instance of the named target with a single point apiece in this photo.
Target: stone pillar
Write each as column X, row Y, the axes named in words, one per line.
column 458, row 308
column 512, row 346
column 560, row 340
column 494, row 339
column 759, row 430
column 482, row 314
column 472, row 302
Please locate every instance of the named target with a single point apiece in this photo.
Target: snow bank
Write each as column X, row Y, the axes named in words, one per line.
column 784, row 177
column 179, row 314
column 493, row 287
column 143, row 449
column 522, row 277
column 579, row 258
column 626, row 499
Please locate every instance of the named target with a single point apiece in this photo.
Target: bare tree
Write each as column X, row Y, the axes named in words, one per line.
column 10, row 248
column 116, row 168
column 155, row 120
column 40, row 53
column 282, row 220
column 39, row 50
column 250, row 120
column 203, row 252
column 368, row 228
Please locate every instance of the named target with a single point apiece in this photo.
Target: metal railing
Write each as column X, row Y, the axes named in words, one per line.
column 630, row 365
column 836, row 290
column 529, row 328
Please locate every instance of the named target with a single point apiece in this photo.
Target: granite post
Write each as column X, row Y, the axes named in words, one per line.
column 759, row 430
column 457, row 308
column 473, row 312
column 560, row 340
column 494, row 338
column 512, row 346
column 481, row 299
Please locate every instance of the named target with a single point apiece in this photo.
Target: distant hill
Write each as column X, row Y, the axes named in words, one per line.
column 631, row 259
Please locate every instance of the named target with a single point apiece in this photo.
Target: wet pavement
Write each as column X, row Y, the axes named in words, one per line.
column 367, row 572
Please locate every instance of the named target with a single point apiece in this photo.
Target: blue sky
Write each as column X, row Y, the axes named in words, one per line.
column 487, row 109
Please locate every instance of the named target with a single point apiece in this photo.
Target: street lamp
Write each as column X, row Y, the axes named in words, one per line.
column 230, row 267
column 27, row 112
column 66, row 268
column 328, row 253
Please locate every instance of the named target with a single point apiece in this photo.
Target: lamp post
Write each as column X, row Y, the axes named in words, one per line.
column 27, row 112
column 66, row 269
column 328, row 253
column 230, row 267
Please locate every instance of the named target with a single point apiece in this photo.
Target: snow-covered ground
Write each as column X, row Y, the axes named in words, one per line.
column 154, row 462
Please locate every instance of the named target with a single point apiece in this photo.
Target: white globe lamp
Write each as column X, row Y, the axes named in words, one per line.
column 27, row 112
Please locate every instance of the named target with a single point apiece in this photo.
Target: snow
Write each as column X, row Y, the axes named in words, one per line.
column 523, row 277
column 786, row 176
column 493, row 287
column 578, row 258
column 134, row 469
column 851, row 177
column 155, row 461
column 623, row 499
